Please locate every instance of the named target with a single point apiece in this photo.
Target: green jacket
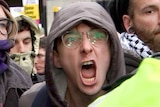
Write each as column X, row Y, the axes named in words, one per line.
column 141, row 90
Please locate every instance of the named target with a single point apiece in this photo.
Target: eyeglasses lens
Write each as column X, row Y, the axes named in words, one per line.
column 5, row 26
column 72, row 39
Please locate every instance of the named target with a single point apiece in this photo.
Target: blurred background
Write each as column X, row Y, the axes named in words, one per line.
column 42, row 11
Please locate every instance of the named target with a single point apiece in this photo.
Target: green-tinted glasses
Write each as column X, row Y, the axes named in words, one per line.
column 72, row 39
column 5, row 26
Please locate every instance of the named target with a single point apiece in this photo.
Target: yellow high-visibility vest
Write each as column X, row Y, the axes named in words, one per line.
column 141, row 90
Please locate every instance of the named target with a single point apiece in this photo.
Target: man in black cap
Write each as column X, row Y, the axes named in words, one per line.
column 13, row 79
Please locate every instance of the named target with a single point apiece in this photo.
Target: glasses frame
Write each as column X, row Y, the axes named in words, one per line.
column 11, row 24
column 88, row 36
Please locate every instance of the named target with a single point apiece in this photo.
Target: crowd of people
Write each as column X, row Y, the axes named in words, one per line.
column 96, row 55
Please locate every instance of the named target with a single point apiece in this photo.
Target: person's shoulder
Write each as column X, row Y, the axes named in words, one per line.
column 35, row 88
column 18, row 77
column 28, row 96
column 15, row 67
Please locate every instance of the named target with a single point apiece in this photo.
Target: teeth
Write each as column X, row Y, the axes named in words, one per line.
column 89, row 79
column 88, row 63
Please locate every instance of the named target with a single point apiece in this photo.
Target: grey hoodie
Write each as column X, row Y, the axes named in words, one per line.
column 67, row 18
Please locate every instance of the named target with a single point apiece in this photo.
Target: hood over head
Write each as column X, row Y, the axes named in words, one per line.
column 34, row 27
column 26, row 60
column 66, row 18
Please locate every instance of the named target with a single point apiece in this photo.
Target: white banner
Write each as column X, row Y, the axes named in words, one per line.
column 26, row 2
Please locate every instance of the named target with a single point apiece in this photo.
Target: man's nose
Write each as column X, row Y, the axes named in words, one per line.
column 35, row 59
column 159, row 17
column 21, row 48
column 86, row 45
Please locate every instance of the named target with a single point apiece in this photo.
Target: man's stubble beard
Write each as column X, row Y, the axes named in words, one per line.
column 150, row 38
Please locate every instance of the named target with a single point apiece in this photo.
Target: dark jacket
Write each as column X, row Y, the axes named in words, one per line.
column 13, row 83
column 132, row 62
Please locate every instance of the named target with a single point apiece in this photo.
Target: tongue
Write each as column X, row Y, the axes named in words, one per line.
column 88, row 73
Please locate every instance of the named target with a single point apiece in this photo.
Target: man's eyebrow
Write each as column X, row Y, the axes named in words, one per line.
column 148, row 7
column 27, row 38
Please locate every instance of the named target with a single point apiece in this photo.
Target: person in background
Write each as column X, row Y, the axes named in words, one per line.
column 26, row 44
column 83, row 54
column 13, row 79
column 39, row 76
column 40, row 59
column 138, row 23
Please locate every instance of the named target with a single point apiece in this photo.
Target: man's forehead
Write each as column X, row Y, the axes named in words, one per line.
column 21, row 36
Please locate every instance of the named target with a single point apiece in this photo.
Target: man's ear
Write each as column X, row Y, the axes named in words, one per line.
column 56, row 60
column 127, row 22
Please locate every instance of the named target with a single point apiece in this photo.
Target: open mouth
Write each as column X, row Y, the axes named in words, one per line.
column 88, row 73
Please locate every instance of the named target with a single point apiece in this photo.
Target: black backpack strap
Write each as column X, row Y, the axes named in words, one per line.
column 42, row 99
